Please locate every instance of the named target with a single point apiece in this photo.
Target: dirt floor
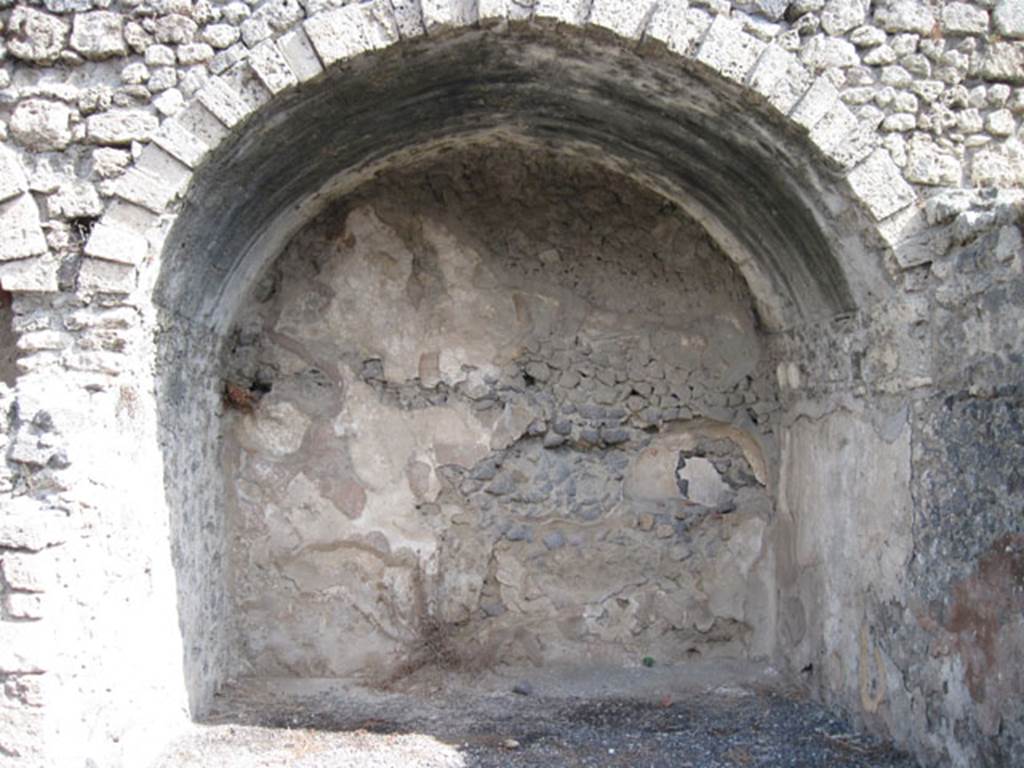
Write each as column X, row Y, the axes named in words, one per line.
column 698, row 716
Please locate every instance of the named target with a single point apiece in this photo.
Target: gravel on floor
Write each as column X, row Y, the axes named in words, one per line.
column 266, row 724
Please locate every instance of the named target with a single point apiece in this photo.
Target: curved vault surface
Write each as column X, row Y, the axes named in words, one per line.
column 754, row 183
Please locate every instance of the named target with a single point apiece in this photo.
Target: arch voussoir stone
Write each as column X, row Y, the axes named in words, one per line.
column 342, row 33
column 25, row 265
column 629, row 20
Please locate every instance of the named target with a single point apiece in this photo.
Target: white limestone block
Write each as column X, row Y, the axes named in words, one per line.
column 22, row 235
column 271, row 67
column 679, row 27
column 298, row 51
column 341, row 33
column 880, row 185
column 729, row 50
column 223, row 102
column 627, row 18
column 448, row 13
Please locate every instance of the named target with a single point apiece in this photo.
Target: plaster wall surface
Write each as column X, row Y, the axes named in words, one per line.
column 483, row 389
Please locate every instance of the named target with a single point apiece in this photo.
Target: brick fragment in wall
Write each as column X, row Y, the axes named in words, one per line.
column 109, row 274
column 117, row 242
column 120, row 127
column 780, row 78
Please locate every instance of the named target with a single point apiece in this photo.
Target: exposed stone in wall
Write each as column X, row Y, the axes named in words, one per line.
column 967, row 613
column 482, row 397
column 87, row 81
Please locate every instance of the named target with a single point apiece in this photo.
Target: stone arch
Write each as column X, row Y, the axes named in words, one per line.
column 848, row 175
column 358, row 89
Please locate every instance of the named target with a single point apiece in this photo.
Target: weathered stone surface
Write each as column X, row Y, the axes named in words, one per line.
column 194, row 53
column 179, row 142
column 174, row 29
column 445, row 13
column 568, row 11
column 35, row 36
column 837, row 533
column 999, row 166
column 41, row 124
column 815, row 103
column 75, row 199
column 121, row 126
column 627, row 18
column 1003, row 61
column 277, row 428
column 220, row 35
column 678, row 26
column 12, row 177
column 880, row 185
column 98, row 35
column 37, row 274
column 101, row 275
column 772, row 9
column 840, row 16
column 19, row 221
column 780, row 78
column 822, row 53
column 927, row 164
column 224, row 102
column 729, row 50
column 298, row 51
column 25, row 526
column 108, row 162
column 906, row 16
column 964, row 19
column 115, row 242
column 271, row 67
column 1008, row 18
column 341, row 33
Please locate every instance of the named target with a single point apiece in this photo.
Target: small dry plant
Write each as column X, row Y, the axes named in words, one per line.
column 439, row 648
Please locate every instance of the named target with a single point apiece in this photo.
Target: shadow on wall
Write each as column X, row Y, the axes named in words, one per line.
column 8, row 341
